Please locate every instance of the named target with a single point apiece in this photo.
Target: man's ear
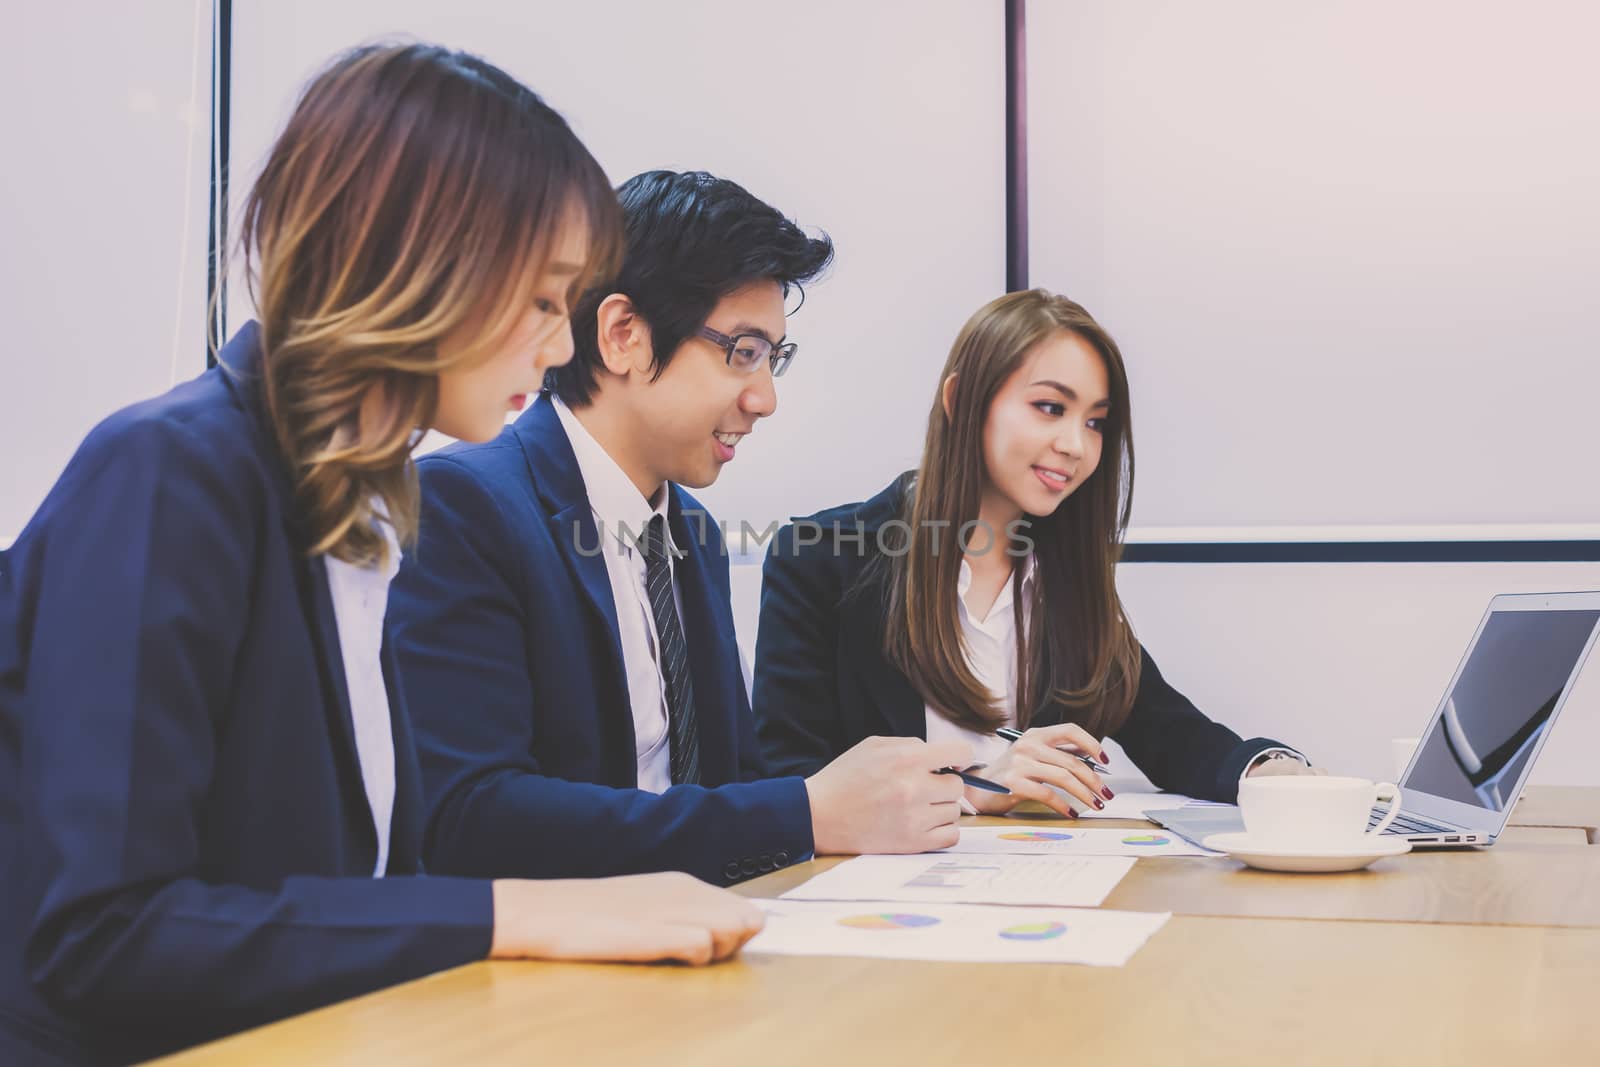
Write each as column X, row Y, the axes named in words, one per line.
column 947, row 395
column 622, row 336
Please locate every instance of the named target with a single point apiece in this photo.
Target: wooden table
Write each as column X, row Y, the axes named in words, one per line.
column 1457, row 976
column 1534, row 876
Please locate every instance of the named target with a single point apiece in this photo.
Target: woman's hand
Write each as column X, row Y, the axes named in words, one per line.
column 635, row 919
column 1041, row 758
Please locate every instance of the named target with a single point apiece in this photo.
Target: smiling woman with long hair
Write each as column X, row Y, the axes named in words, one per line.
column 210, row 814
column 978, row 592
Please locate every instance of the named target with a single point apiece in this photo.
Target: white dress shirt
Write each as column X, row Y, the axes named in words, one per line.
column 360, row 596
column 991, row 644
column 621, row 513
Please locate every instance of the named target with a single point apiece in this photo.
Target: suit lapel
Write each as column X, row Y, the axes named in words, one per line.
column 578, row 541
column 324, row 627
column 240, row 360
column 406, row 822
column 557, row 482
column 861, row 643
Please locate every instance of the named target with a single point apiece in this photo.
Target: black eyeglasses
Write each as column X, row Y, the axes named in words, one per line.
column 747, row 351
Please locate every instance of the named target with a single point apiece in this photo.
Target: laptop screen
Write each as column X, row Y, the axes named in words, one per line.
column 1496, row 713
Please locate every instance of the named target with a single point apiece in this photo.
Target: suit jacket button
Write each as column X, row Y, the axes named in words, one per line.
column 749, row 867
column 732, row 869
column 781, row 858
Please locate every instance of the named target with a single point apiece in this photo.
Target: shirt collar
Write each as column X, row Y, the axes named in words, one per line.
column 621, row 510
column 964, row 583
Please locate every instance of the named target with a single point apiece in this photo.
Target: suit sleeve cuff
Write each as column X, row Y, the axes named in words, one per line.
column 787, row 838
column 1259, row 756
column 1239, row 761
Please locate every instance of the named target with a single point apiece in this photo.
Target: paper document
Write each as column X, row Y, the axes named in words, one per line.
column 1127, row 805
column 962, row 932
column 1062, row 881
column 1069, row 840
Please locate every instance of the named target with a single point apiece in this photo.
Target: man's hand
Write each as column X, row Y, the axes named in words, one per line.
column 883, row 796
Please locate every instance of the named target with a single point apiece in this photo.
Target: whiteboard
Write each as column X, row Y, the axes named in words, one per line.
column 880, row 123
column 102, row 224
column 1350, row 250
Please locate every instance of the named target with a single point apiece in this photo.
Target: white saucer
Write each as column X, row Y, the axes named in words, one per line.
column 1319, row 860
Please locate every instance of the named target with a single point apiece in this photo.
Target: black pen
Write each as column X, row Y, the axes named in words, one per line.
column 974, row 781
column 1008, row 734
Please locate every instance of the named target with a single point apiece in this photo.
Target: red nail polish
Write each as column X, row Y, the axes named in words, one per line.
column 1103, row 758
column 1099, row 803
column 1071, row 814
column 1107, row 793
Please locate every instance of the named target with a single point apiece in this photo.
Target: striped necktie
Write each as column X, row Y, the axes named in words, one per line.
column 672, row 656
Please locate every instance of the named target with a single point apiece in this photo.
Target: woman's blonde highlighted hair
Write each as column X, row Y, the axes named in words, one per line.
column 409, row 207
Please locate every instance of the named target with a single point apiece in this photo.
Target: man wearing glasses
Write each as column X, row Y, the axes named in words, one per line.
column 563, row 631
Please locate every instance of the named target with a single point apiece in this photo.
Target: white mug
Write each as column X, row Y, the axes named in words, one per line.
column 1308, row 812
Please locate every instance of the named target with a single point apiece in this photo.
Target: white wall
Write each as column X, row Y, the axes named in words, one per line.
column 889, row 135
column 1350, row 249
column 886, row 133
column 1335, row 659
column 879, row 122
column 102, row 223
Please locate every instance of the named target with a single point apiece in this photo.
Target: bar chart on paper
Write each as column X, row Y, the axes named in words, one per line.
column 955, row 875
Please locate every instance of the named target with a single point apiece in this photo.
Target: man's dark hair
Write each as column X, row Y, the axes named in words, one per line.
column 690, row 239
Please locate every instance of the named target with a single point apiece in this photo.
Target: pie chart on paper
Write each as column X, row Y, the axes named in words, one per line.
column 888, row 920
column 1147, row 840
column 1035, row 835
column 1044, row 931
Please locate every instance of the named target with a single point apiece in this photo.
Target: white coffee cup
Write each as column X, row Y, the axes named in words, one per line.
column 1308, row 812
column 1401, row 749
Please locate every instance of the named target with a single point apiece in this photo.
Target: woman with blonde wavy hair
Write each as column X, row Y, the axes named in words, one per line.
column 975, row 598
column 209, row 803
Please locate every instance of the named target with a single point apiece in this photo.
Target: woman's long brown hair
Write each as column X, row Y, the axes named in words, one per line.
column 1078, row 660
column 412, row 201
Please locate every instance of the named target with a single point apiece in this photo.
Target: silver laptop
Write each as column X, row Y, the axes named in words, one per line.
column 1481, row 742
column 1479, row 745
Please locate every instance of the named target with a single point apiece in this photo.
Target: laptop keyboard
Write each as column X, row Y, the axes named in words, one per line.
column 1405, row 824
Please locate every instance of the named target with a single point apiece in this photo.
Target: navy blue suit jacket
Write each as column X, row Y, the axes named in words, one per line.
column 505, row 634
column 822, row 682
column 186, row 843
